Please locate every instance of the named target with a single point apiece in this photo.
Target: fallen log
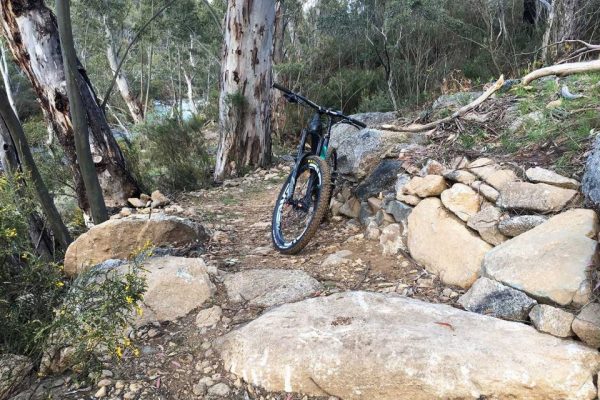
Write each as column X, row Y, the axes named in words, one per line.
column 562, row 70
column 459, row 113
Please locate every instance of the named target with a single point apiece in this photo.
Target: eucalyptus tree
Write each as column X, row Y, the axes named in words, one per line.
column 245, row 99
column 78, row 114
column 32, row 36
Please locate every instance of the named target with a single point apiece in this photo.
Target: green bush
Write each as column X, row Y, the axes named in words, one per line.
column 170, row 155
column 96, row 311
column 37, row 300
column 30, row 287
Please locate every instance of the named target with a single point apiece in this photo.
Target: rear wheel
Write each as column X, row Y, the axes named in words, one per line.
column 300, row 210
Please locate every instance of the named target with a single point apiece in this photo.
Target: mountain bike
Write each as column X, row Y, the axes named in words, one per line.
column 305, row 196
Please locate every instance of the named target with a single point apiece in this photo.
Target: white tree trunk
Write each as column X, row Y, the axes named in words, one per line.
column 133, row 104
column 245, row 100
column 6, row 79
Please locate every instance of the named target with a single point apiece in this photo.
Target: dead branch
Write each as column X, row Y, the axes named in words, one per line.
column 459, row 113
column 581, row 52
column 562, row 70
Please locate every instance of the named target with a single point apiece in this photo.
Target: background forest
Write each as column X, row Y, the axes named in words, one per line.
column 155, row 69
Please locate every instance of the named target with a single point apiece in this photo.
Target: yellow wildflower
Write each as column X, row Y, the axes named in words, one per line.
column 136, row 352
column 119, row 351
column 10, row 233
column 129, row 299
column 139, row 310
column 59, row 284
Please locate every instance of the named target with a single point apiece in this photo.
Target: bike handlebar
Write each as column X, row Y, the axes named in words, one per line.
column 322, row 110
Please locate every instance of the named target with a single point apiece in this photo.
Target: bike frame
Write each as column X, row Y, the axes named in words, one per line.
column 323, row 143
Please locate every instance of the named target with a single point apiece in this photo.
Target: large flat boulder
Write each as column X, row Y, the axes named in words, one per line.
column 118, row 239
column 359, row 151
column 551, row 261
column 362, row 345
column 444, row 245
column 270, row 287
column 538, row 197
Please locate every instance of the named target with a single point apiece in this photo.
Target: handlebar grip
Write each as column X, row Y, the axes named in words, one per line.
column 357, row 122
column 279, row 87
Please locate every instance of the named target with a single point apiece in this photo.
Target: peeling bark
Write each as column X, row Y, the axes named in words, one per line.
column 245, row 100
column 32, row 35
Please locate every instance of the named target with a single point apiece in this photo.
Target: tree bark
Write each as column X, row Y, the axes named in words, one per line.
column 133, row 103
column 22, row 154
column 31, row 32
column 6, row 79
column 560, row 25
column 78, row 114
column 245, row 99
column 278, row 116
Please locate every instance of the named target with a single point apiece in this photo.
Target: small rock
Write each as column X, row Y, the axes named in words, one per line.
column 587, row 325
column 486, row 190
column 538, row 197
column 337, row 259
column 460, row 176
column 372, row 232
column 137, row 203
column 375, row 204
column 220, row 389
column 100, row 393
column 351, row 208
column 159, row 199
column 514, row 226
column 486, row 223
column 552, row 320
column 145, row 198
column 489, row 297
column 199, row 389
column 125, row 212
column 461, row 200
column 500, row 178
column 104, row 382
column 391, row 239
column 398, row 210
column 541, row 175
column 430, row 185
column 408, row 199
column 208, row 317
column 483, row 167
column 365, row 213
column 401, row 181
column 432, row 167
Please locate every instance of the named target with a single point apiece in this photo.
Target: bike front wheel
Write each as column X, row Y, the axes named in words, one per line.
column 301, row 205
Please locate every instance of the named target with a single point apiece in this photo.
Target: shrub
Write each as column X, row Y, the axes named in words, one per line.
column 95, row 313
column 30, row 287
column 170, row 155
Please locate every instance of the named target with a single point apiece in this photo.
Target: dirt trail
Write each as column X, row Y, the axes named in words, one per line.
column 177, row 359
